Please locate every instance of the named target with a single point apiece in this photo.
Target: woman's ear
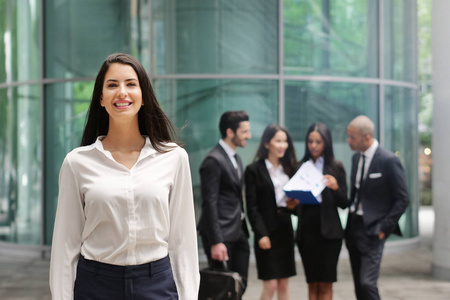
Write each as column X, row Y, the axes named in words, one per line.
column 101, row 101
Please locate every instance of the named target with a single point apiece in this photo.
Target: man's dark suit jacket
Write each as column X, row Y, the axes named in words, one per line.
column 384, row 193
column 261, row 202
column 330, row 223
column 222, row 204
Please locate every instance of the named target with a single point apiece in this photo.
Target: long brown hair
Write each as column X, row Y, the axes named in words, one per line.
column 151, row 118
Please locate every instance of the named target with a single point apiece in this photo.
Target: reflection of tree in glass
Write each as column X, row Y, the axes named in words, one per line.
column 330, row 37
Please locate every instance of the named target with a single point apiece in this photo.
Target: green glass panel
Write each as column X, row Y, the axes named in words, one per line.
column 400, row 40
column 82, row 33
column 401, row 137
column 331, row 37
column 19, row 43
column 334, row 104
column 20, row 162
column 203, row 36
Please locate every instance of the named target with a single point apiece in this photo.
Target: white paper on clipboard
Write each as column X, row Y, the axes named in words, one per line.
column 306, row 179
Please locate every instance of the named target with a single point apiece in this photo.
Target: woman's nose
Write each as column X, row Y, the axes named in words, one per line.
column 122, row 93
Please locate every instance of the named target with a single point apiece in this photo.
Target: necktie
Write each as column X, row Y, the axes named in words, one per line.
column 362, row 170
column 238, row 169
column 361, row 178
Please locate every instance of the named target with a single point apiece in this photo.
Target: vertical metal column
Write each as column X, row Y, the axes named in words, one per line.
column 381, row 72
column 281, row 104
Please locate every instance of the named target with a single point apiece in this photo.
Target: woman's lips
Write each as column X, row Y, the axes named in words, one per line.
column 122, row 104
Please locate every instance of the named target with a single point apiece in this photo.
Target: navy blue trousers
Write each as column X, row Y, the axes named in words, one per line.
column 99, row 281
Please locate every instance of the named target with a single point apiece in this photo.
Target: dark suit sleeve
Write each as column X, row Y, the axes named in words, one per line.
column 210, row 174
column 399, row 190
column 251, row 195
column 340, row 195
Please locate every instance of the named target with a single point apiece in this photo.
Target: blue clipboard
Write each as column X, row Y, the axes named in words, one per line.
column 305, row 197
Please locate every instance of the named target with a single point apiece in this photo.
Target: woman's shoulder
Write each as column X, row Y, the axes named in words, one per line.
column 77, row 157
column 173, row 149
column 79, row 151
column 338, row 167
column 339, row 164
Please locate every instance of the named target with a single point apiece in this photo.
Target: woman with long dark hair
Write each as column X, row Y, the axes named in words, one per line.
column 268, row 213
column 320, row 233
column 125, row 225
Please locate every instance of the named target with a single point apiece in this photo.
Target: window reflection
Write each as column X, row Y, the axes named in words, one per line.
column 401, row 138
column 19, row 36
column 231, row 37
column 400, row 39
column 331, row 37
column 20, row 162
column 84, row 33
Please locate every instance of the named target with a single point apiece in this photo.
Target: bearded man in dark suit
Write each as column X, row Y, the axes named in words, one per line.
column 379, row 196
column 222, row 225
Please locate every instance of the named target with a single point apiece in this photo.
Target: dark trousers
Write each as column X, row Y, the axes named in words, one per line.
column 238, row 254
column 365, row 253
column 99, row 281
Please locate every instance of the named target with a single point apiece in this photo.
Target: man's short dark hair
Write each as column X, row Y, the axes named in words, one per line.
column 232, row 120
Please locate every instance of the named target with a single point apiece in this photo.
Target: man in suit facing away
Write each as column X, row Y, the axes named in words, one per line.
column 379, row 196
column 222, row 225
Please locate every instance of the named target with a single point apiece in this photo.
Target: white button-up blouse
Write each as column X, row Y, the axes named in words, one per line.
column 112, row 214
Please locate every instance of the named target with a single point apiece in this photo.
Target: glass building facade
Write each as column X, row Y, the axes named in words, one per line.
column 291, row 62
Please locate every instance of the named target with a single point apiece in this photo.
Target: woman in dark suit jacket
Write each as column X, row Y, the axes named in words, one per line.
column 274, row 164
column 320, row 233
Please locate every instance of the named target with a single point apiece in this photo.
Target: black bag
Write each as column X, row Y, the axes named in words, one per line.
column 220, row 285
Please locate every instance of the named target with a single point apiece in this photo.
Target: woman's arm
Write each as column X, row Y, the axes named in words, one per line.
column 183, row 251
column 67, row 234
column 341, row 193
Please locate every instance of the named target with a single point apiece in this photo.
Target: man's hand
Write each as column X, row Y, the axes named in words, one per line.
column 264, row 243
column 219, row 252
column 381, row 235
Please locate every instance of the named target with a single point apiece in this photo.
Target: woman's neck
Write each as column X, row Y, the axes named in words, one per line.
column 314, row 159
column 123, row 137
column 274, row 160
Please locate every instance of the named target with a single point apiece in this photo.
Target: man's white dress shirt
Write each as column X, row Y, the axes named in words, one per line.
column 115, row 215
column 230, row 152
column 368, row 154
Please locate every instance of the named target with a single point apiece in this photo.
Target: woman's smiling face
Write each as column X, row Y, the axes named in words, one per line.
column 316, row 145
column 278, row 145
column 121, row 93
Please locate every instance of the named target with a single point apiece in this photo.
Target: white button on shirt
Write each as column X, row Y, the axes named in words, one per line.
column 112, row 214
